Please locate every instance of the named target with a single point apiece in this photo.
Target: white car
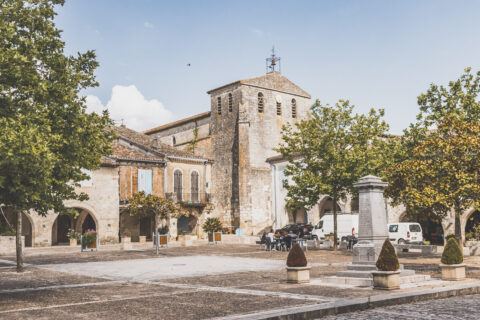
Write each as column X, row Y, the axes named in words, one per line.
column 347, row 225
column 405, row 232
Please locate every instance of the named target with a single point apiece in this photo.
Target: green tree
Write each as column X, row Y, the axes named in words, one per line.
column 442, row 173
column 143, row 205
column 328, row 153
column 440, row 107
column 46, row 136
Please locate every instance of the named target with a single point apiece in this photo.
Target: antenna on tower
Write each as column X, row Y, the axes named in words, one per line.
column 272, row 62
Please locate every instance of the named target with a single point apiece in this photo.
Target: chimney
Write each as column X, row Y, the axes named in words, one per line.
column 155, row 143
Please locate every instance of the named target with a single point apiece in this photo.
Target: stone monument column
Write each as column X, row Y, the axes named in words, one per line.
column 372, row 220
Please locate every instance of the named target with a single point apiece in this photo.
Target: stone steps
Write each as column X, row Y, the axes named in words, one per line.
column 368, row 282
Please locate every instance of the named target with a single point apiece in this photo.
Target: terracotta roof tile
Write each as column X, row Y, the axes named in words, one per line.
column 148, row 143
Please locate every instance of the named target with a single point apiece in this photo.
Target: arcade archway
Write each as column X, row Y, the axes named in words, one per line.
column 472, row 221
column 27, row 230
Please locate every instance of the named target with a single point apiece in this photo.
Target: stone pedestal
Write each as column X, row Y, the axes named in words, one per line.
column 372, row 232
column 372, row 220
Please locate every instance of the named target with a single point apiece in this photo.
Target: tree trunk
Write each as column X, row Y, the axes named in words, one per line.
column 19, row 243
column 335, row 224
column 458, row 230
column 156, row 232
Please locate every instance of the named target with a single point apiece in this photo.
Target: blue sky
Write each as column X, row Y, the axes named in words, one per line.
column 380, row 54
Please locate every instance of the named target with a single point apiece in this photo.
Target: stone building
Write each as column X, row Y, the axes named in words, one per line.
column 239, row 134
column 138, row 163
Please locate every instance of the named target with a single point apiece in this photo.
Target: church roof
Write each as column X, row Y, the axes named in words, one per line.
column 272, row 81
column 178, row 123
column 148, row 143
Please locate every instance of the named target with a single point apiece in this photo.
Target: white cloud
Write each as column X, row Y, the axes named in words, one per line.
column 129, row 104
column 257, row 32
column 148, row 25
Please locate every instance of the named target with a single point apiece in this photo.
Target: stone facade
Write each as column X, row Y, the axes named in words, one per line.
column 239, row 140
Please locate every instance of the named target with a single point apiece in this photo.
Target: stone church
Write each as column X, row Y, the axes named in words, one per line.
column 239, row 133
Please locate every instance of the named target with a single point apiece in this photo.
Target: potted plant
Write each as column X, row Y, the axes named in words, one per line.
column 213, row 227
column 162, row 237
column 452, row 258
column 89, row 241
column 388, row 276
column 73, row 236
column 126, row 236
column 297, row 269
column 126, row 240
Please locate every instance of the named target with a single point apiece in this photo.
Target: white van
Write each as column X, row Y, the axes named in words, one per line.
column 346, row 225
column 405, row 232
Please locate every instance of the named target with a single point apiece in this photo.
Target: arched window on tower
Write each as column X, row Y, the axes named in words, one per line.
column 230, row 102
column 260, row 102
column 174, row 140
column 294, row 108
column 279, row 108
column 219, row 105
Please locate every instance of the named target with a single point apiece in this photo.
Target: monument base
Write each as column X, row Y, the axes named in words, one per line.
column 366, row 252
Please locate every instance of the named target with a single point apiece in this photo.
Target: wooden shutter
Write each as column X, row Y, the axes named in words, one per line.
column 194, row 186
column 145, row 181
column 177, row 184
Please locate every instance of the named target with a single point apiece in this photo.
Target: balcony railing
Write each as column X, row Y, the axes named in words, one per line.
column 200, row 198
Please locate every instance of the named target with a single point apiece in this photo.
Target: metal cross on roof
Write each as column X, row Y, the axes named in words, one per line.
column 272, row 62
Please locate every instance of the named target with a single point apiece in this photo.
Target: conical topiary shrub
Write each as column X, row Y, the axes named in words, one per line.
column 296, row 257
column 452, row 253
column 387, row 260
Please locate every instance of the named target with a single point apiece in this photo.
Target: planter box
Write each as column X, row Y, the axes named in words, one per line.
column 73, row 242
column 298, row 274
column 126, row 243
column 386, row 280
column 92, row 247
column 453, row 272
column 162, row 240
column 7, row 244
column 214, row 237
column 142, row 239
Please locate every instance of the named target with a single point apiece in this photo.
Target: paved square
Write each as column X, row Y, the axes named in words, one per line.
column 167, row 268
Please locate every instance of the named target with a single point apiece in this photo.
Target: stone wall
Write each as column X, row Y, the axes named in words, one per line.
column 224, row 129
column 103, row 206
column 257, row 140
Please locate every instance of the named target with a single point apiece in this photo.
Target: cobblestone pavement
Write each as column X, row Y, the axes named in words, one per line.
column 463, row 307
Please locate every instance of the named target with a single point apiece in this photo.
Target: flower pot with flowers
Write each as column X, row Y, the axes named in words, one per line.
column 126, row 240
column 73, row 236
column 89, row 241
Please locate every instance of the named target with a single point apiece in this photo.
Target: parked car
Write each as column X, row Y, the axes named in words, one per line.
column 347, row 225
column 405, row 232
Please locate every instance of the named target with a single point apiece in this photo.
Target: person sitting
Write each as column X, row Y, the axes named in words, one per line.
column 283, row 243
column 263, row 240
column 288, row 241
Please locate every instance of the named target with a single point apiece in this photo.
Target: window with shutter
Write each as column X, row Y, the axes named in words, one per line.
column 194, row 185
column 177, row 184
column 145, row 181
